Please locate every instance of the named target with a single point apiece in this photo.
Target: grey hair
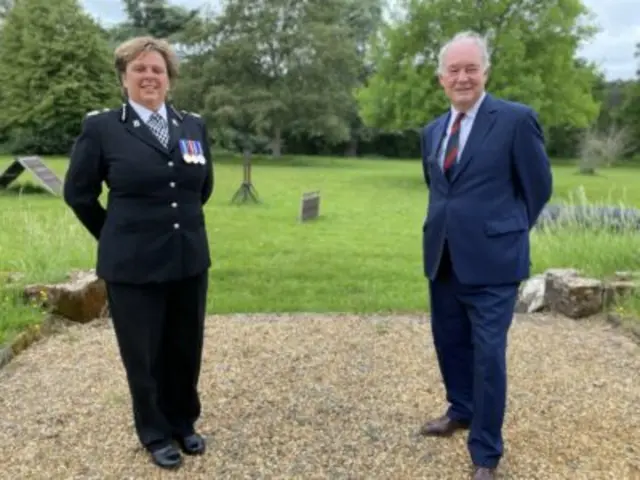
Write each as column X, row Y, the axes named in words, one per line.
column 477, row 39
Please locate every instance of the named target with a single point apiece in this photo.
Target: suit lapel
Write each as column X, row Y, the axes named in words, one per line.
column 439, row 133
column 482, row 125
column 175, row 128
column 136, row 127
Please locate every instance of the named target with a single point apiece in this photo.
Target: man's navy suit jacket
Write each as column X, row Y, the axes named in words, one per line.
column 493, row 197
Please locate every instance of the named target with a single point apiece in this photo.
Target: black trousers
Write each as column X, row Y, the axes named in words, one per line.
column 159, row 329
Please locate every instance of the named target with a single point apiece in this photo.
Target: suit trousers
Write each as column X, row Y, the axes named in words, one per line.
column 159, row 329
column 470, row 325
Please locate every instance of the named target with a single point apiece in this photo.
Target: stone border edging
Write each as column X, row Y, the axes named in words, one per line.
column 21, row 342
column 30, row 335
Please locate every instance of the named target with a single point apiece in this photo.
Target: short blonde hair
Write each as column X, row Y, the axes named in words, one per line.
column 132, row 48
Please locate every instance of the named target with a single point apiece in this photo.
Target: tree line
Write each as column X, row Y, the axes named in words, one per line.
column 332, row 77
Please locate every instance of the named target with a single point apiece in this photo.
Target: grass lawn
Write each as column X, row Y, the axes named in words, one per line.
column 362, row 255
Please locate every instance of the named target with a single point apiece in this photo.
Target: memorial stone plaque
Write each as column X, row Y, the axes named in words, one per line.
column 310, row 206
column 37, row 167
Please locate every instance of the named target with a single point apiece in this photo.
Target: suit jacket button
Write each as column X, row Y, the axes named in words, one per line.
column 170, row 164
column 176, row 226
column 172, row 184
column 174, row 204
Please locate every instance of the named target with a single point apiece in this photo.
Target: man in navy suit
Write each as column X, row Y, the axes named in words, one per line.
column 489, row 177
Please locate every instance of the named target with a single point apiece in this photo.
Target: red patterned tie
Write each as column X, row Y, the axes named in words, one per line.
column 452, row 144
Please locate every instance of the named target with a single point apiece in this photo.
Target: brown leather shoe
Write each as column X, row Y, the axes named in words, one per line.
column 483, row 473
column 442, row 427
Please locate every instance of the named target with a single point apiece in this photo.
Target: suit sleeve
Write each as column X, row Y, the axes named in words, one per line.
column 532, row 166
column 83, row 180
column 207, row 189
column 423, row 152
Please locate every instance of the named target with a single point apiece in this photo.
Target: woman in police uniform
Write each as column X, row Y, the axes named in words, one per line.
column 153, row 251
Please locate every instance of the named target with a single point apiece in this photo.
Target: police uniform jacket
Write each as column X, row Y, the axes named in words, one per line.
column 153, row 227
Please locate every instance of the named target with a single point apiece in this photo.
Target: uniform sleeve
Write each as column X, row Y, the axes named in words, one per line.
column 207, row 188
column 532, row 165
column 83, row 180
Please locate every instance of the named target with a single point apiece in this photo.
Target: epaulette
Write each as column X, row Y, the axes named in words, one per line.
column 95, row 112
column 193, row 114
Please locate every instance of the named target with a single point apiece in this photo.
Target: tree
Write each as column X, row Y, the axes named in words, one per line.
column 602, row 148
column 629, row 115
column 154, row 17
column 364, row 18
column 533, row 60
column 54, row 67
column 279, row 65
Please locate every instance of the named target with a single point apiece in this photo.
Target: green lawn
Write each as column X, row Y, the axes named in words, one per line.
column 362, row 255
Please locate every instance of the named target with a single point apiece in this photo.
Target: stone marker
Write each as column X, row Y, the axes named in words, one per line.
column 309, row 206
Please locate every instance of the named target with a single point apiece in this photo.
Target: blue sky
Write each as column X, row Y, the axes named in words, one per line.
column 612, row 49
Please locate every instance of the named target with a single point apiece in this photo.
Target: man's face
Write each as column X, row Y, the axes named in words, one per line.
column 463, row 78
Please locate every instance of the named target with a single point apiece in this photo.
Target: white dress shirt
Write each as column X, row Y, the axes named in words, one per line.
column 144, row 113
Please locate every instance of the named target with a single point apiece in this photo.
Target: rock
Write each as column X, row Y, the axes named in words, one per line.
column 627, row 276
column 574, row 296
column 564, row 291
column 551, row 275
column 617, row 289
column 531, row 296
column 561, row 272
column 81, row 299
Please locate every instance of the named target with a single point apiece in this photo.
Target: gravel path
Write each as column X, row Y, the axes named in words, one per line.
column 328, row 397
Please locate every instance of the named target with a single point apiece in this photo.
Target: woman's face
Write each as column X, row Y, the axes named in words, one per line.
column 146, row 79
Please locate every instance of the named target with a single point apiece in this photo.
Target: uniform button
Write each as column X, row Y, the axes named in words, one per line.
column 170, row 164
column 172, row 184
column 174, row 204
column 176, row 226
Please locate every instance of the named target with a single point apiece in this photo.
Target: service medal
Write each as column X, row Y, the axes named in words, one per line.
column 196, row 153
column 186, row 154
column 193, row 151
column 199, row 153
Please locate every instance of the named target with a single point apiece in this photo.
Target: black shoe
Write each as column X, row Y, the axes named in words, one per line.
column 166, row 457
column 193, row 444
